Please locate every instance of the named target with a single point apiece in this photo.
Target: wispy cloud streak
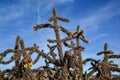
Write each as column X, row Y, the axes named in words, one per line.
column 99, row 36
column 19, row 11
column 106, row 12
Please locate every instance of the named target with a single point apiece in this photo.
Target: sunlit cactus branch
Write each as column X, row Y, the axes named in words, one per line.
column 63, row 59
column 55, row 17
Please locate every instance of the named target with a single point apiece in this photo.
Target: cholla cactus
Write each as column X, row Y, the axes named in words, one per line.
column 70, row 59
column 104, row 67
column 67, row 64
column 22, row 66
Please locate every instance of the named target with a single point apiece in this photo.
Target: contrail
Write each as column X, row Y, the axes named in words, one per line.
column 38, row 11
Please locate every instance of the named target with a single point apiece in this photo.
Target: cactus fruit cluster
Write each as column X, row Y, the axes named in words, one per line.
column 67, row 65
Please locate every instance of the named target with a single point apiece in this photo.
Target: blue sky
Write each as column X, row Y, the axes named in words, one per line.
column 99, row 18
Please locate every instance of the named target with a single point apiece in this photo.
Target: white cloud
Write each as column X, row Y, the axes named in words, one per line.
column 12, row 15
column 11, row 12
column 99, row 36
column 53, row 3
column 16, row 11
column 64, row 1
column 104, row 13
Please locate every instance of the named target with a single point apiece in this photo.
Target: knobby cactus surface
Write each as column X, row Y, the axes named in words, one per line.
column 67, row 64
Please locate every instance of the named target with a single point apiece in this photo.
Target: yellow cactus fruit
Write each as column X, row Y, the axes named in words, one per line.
column 25, row 65
column 59, row 29
column 80, row 79
column 30, row 64
column 71, row 34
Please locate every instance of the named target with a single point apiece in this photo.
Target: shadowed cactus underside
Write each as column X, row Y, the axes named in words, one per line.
column 67, row 65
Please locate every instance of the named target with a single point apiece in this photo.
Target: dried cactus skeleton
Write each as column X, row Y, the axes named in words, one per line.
column 69, row 65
